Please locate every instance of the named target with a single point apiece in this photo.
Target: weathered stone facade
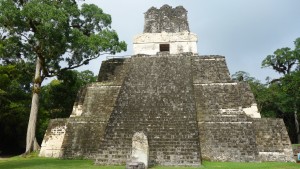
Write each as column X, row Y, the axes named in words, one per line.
column 54, row 136
column 166, row 19
column 186, row 105
column 140, row 149
column 149, row 101
column 165, row 26
column 149, row 43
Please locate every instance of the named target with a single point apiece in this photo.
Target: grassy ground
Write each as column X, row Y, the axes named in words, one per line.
column 48, row 163
column 295, row 145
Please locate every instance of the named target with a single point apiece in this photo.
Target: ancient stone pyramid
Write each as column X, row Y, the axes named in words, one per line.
column 186, row 105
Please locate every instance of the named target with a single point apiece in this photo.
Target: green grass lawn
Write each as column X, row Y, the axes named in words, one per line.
column 295, row 145
column 49, row 163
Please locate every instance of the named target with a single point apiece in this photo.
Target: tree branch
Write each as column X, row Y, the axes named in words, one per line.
column 275, row 80
column 24, row 36
column 55, row 73
column 82, row 63
column 289, row 67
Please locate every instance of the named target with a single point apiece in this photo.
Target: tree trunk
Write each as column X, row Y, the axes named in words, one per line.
column 296, row 123
column 31, row 143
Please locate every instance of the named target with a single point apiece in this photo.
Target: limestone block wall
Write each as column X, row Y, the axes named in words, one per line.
column 77, row 107
column 113, row 71
column 252, row 111
column 180, row 42
column 83, row 137
column 166, row 19
column 210, row 69
column 272, row 140
column 229, row 124
column 85, row 132
column 54, row 136
column 100, row 100
column 224, row 96
column 226, row 132
column 156, row 99
column 96, row 99
column 93, row 106
column 229, row 139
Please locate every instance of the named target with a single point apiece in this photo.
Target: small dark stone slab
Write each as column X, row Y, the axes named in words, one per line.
column 135, row 165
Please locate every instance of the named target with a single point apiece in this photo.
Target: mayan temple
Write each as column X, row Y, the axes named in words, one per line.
column 166, row 105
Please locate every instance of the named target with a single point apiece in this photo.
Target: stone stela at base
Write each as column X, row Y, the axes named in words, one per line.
column 166, row 105
column 140, row 149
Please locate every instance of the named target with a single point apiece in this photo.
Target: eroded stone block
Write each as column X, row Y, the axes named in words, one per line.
column 140, row 149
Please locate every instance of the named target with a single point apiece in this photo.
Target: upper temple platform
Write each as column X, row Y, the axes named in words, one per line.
column 166, row 19
column 165, row 30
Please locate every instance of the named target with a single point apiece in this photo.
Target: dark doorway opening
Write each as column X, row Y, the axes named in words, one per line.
column 164, row 47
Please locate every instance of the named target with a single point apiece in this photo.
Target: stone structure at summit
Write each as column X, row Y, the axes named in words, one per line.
column 166, row 105
column 166, row 19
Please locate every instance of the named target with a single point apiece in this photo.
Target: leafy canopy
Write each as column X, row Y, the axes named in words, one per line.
column 15, row 97
column 283, row 59
column 60, row 34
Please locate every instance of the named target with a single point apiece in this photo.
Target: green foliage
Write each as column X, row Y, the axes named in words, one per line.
column 276, row 99
column 66, row 87
column 243, row 76
column 280, row 98
column 283, row 59
column 56, row 36
column 15, row 94
column 291, row 85
column 56, row 32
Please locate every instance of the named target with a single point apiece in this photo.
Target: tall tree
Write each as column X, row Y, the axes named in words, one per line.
column 57, row 36
column 286, row 62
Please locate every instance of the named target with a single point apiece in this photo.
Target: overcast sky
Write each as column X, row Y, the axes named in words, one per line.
column 244, row 31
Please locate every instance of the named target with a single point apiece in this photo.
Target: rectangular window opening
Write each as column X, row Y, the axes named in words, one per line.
column 164, row 47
